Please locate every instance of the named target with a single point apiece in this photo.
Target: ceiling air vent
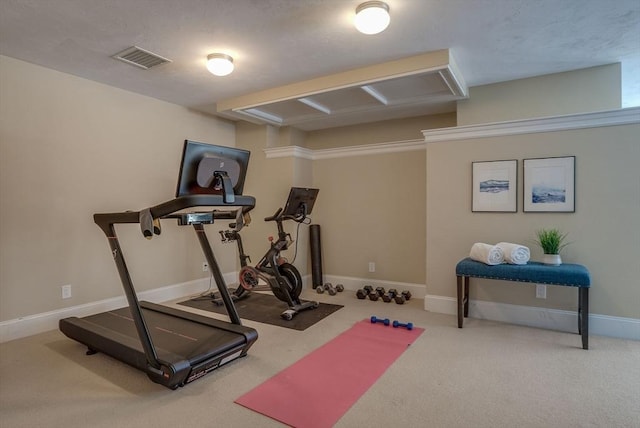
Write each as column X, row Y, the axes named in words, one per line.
column 140, row 58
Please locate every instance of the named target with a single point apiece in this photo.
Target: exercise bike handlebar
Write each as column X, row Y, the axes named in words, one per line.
column 278, row 217
column 274, row 217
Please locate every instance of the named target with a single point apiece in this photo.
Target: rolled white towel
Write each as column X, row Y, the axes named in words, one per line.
column 487, row 254
column 514, row 254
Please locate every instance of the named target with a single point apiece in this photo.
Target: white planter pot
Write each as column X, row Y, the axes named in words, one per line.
column 552, row 259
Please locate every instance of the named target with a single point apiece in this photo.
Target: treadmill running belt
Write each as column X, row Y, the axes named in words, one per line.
column 178, row 336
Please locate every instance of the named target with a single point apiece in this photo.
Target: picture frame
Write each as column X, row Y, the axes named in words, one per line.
column 494, row 186
column 549, row 184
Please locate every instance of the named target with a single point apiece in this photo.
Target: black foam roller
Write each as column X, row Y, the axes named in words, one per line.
column 316, row 255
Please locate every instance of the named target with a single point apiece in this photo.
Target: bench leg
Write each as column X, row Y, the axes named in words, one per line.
column 460, row 301
column 583, row 316
column 463, row 298
column 466, row 296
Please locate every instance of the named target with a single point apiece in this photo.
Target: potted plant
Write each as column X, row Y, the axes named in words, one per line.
column 552, row 241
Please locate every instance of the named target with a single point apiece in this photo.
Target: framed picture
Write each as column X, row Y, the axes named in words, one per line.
column 494, row 186
column 549, row 184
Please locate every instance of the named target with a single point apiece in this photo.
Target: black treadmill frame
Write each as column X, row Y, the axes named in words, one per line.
column 169, row 370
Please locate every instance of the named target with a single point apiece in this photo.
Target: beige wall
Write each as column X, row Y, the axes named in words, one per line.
column 70, row 148
column 377, row 132
column 372, row 210
column 288, row 136
column 364, row 217
column 580, row 91
column 127, row 147
column 371, row 207
column 604, row 230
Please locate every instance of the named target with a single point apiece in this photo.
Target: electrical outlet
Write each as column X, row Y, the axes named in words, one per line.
column 66, row 291
column 372, row 267
column 541, row 291
column 205, row 266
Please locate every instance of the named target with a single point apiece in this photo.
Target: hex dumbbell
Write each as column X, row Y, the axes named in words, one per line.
column 364, row 292
column 329, row 287
column 339, row 288
column 408, row 326
column 361, row 294
column 375, row 320
column 407, row 295
column 389, row 295
column 399, row 299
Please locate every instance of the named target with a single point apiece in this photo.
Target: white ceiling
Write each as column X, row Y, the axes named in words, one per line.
column 280, row 42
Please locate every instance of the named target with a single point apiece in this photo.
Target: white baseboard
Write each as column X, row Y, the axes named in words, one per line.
column 38, row 323
column 552, row 319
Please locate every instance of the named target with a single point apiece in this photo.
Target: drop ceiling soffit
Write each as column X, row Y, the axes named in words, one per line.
column 429, row 83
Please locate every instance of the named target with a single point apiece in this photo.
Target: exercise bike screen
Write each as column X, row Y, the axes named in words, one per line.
column 300, row 201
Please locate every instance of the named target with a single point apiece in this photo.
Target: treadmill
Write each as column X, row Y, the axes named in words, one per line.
column 174, row 347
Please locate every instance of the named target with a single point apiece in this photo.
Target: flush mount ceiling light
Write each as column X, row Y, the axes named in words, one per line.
column 219, row 64
column 372, row 17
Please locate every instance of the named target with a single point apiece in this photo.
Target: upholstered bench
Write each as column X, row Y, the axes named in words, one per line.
column 569, row 275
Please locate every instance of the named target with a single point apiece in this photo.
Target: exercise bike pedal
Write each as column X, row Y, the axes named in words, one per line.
column 288, row 314
column 296, row 309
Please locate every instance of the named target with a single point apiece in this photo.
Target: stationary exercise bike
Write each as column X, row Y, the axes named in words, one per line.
column 281, row 277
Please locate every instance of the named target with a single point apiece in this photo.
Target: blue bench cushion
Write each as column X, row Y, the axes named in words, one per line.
column 568, row 274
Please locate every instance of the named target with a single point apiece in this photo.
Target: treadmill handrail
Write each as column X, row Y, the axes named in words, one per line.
column 180, row 203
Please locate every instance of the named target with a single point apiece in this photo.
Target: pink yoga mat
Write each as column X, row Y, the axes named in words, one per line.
column 318, row 389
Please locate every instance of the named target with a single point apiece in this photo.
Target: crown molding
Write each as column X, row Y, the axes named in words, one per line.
column 514, row 127
column 289, row 152
column 343, row 152
column 531, row 126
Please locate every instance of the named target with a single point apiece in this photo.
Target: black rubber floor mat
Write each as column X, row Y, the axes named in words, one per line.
column 266, row 308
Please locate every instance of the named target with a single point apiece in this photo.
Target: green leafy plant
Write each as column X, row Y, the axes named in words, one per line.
column 552, row 241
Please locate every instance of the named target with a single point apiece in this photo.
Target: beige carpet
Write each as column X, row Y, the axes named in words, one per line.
column 485, row 375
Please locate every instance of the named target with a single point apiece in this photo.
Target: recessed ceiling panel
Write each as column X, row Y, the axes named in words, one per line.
column 342, row 99
column 412, row 87
column 287, row 109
